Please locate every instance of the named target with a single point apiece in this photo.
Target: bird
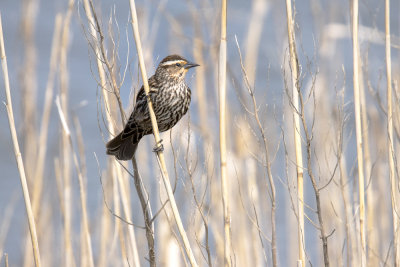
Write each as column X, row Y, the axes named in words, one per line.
column 170, row 97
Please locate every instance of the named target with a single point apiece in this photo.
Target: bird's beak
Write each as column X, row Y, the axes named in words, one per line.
column 190, row 65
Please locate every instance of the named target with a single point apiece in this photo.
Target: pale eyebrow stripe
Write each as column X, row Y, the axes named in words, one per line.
column 171, row 62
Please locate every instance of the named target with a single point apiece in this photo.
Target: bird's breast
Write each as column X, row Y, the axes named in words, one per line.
column 171, row 104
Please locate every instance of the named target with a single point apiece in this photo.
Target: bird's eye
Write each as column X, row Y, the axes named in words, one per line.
column 178, row 64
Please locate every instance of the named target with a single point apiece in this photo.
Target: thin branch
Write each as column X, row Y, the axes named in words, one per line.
column 267, row 160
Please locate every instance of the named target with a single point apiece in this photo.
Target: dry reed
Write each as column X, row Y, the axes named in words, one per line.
column 260, row 120
column 101, row 60
column 360, row 157
column 82, row 187
column 160, row 154
column 222, row 135
column 297, row 134
column 18, row 155
column 391, row 151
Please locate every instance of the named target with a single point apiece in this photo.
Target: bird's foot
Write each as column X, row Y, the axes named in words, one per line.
column 159, row 147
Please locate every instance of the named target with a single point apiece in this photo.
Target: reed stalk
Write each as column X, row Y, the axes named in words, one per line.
column 126, row 208
column 82, row 188
column 48, row 101
column 65, row 148
column 297, row 135
column 146, row 209
column 118, row 229
column 222, row 136
column 267, row 162
column 160, row 154
column 370, row 193
column 259, row 10
column 18, row 156
column 359, row 136
column 95, row 31
column 201, row 96
column 390, row 141
column 29, row 88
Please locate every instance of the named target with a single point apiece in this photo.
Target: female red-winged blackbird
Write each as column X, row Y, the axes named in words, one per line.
column 171, row 99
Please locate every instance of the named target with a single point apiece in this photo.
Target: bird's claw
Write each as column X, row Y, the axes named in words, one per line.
column 159, row 147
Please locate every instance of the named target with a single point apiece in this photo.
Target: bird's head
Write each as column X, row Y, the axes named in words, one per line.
column 174, row 67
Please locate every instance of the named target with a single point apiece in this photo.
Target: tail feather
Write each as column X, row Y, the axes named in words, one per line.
column 122, row 148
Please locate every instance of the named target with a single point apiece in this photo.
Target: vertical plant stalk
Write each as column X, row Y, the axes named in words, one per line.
column 222, row 136
column 117, row 197
column 297, row 137
column 160, row 154
column 82, row 189
column 357, row 108
column 101, row 49
column 18, row 156
column 267, row 160
column 352, row 256
column 6, row 260
column 99, row 60
column 259, row 10
column 126, row 208
column 146, row 213
column 391, row 152
column 371, row 227
column 65, row 152
column 29, row 86
column 44, row 127
column 29, row 109
column 200, row 79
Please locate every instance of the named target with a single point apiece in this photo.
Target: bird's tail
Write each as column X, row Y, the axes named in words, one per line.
column 123, row 148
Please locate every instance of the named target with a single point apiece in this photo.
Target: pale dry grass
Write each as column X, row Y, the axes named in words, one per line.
column 287, row 189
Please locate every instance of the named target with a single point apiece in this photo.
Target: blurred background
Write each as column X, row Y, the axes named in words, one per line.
column 50, row 48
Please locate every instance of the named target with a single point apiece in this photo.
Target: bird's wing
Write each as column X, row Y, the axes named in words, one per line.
column 141, row 112
column 140, row 116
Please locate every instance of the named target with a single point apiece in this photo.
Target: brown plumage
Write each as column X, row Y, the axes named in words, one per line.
column 171, row 99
